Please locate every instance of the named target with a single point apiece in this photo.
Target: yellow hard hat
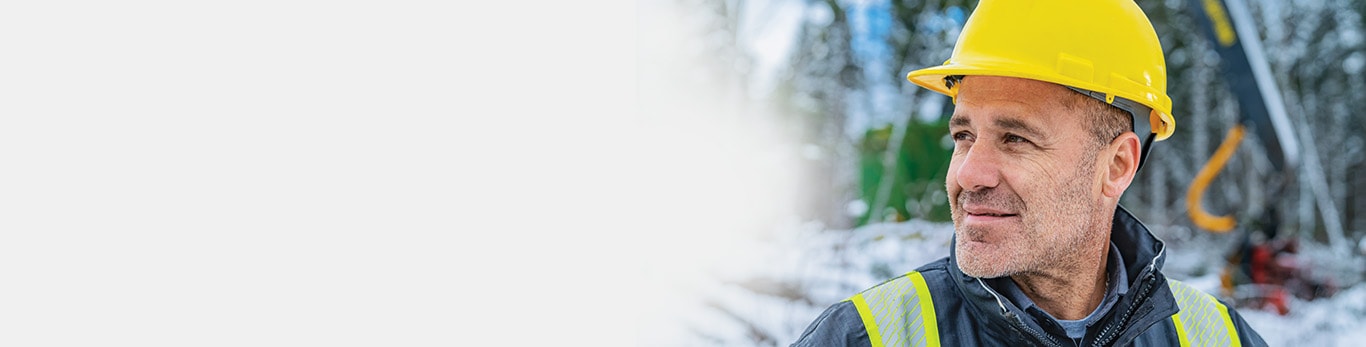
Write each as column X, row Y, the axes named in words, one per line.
column 1106, row 47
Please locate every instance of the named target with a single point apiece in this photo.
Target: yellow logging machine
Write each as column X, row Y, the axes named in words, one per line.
column 1248, row 76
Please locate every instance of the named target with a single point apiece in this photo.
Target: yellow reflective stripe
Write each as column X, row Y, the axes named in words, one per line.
column 1180, row 331
column 867, row 316
column 898, row 313
column 931, row 323
column 1228, row 323
column 1198, row 321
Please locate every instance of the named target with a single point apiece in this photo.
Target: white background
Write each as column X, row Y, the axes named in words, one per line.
column 310, row 173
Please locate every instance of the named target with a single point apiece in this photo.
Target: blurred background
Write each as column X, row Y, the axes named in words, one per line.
column 792, row 165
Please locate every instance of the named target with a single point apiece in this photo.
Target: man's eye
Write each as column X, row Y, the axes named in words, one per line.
column 1015, row 139
column 962, row 136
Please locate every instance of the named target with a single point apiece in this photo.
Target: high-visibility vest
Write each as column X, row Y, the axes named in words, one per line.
column 900, row 312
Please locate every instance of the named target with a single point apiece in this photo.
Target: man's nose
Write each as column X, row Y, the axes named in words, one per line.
column 979, row 169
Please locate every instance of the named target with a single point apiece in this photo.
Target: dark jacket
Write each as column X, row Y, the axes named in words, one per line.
column 970, row 313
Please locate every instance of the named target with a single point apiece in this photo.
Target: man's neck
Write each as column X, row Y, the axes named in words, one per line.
column 1068, row 293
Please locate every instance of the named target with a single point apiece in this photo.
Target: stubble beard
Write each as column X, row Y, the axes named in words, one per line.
column 1032, row 249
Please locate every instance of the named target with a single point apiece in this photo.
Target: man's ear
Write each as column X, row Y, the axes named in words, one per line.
column 1122, row 164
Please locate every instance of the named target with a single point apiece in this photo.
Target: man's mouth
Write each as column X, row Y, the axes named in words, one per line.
column 982, row 211
column 992, row 214
column 980, row 214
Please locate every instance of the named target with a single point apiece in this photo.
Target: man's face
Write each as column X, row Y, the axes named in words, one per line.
column 1022, row 182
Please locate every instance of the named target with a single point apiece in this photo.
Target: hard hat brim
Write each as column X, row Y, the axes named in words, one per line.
column 932, row 78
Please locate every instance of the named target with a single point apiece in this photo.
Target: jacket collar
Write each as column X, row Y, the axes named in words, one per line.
column 1147, row 300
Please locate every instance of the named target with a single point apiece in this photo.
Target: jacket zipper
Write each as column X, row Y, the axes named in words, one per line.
column 1019, row 324
column 1016, row 322
column 1111, row 331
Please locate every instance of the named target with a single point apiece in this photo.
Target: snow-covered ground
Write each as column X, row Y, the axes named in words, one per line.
column 766, row 291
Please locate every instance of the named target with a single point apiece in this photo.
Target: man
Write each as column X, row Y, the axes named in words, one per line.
column 1056, row 103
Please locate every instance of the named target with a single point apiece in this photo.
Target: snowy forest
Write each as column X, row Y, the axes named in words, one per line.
column 832, row 163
